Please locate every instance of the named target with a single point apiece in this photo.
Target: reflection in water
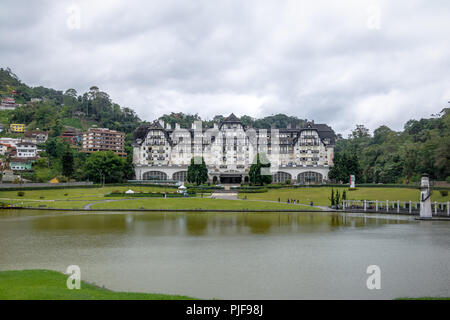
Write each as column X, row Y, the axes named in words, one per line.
column 234, row 255
column 204, row 224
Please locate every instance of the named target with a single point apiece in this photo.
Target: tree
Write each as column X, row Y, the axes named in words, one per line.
column 360, row 132
column 67, row 163
column 332, row 197
column 55, row 147
column 337, row 200
column 128, row 166
column 71, row 93
column 56, row 128
column 105, row 166
column 197, row 171
column 258, row 173
column 344, row 166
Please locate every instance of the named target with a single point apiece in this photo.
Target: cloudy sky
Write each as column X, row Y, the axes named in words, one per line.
column 345, row 62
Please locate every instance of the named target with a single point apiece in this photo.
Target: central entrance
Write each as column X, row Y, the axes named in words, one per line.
column 231, row 178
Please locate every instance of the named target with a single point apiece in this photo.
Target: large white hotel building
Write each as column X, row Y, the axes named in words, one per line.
column 302, row 155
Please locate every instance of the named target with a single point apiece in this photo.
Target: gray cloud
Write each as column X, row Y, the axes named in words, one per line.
column 321, row 60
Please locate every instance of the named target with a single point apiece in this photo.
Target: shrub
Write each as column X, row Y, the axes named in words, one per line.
column 20, row 193
column 443, row 193
column 288, row 181
column 260, row 190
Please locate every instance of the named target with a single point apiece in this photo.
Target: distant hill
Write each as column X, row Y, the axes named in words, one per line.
column 50, row 109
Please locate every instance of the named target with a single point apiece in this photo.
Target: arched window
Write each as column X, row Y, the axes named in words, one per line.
column 281, row 177
column 309, row 177
column 154, row 175
column 180, row 176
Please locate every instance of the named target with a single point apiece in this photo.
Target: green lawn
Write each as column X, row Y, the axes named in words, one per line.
column 51, row 285
column 78, row 197
column 78, row 193
column 320, row 195
column 196, row 203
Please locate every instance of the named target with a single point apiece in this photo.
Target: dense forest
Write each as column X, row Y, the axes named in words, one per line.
column 386, row 156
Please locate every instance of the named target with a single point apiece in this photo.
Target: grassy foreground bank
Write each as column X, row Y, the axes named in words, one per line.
column 51, row 285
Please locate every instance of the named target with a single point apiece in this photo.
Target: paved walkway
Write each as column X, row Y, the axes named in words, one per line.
column 88, row 206
column 226, row 196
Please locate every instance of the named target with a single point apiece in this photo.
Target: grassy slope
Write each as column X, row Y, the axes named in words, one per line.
column 77, row 198
column 51, row 285
column 78, row 194
column 320, row 195
column 5, row 115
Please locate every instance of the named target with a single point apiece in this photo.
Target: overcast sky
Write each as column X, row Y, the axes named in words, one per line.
column 342, row 62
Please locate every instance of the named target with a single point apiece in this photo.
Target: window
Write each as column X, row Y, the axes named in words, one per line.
column 154, row 175
column 309, row 177
column 180, row 176
column 281, row 177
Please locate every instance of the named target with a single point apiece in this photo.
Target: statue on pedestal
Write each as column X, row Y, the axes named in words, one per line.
column 425, row 198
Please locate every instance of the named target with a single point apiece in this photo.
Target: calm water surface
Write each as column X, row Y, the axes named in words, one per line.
column 235, row 256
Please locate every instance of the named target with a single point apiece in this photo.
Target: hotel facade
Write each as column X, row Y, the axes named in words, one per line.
column 300, row 155
column 103, row 139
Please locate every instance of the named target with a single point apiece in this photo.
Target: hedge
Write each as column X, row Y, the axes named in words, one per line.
column 18, row 188
column 148, row 195
column 261, row 190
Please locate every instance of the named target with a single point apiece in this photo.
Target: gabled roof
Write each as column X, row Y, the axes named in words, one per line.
column 231, row 119
column 155, row 125
column 30, row 133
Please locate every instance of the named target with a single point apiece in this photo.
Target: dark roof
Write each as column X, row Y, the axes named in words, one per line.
column 25, row 144
column 23, row 159
column 141, row 132
column 325, row 131
column 231, row 119
column 35, row 132
column 155, row 125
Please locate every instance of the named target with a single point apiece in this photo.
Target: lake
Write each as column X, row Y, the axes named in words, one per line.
column 235, row 255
